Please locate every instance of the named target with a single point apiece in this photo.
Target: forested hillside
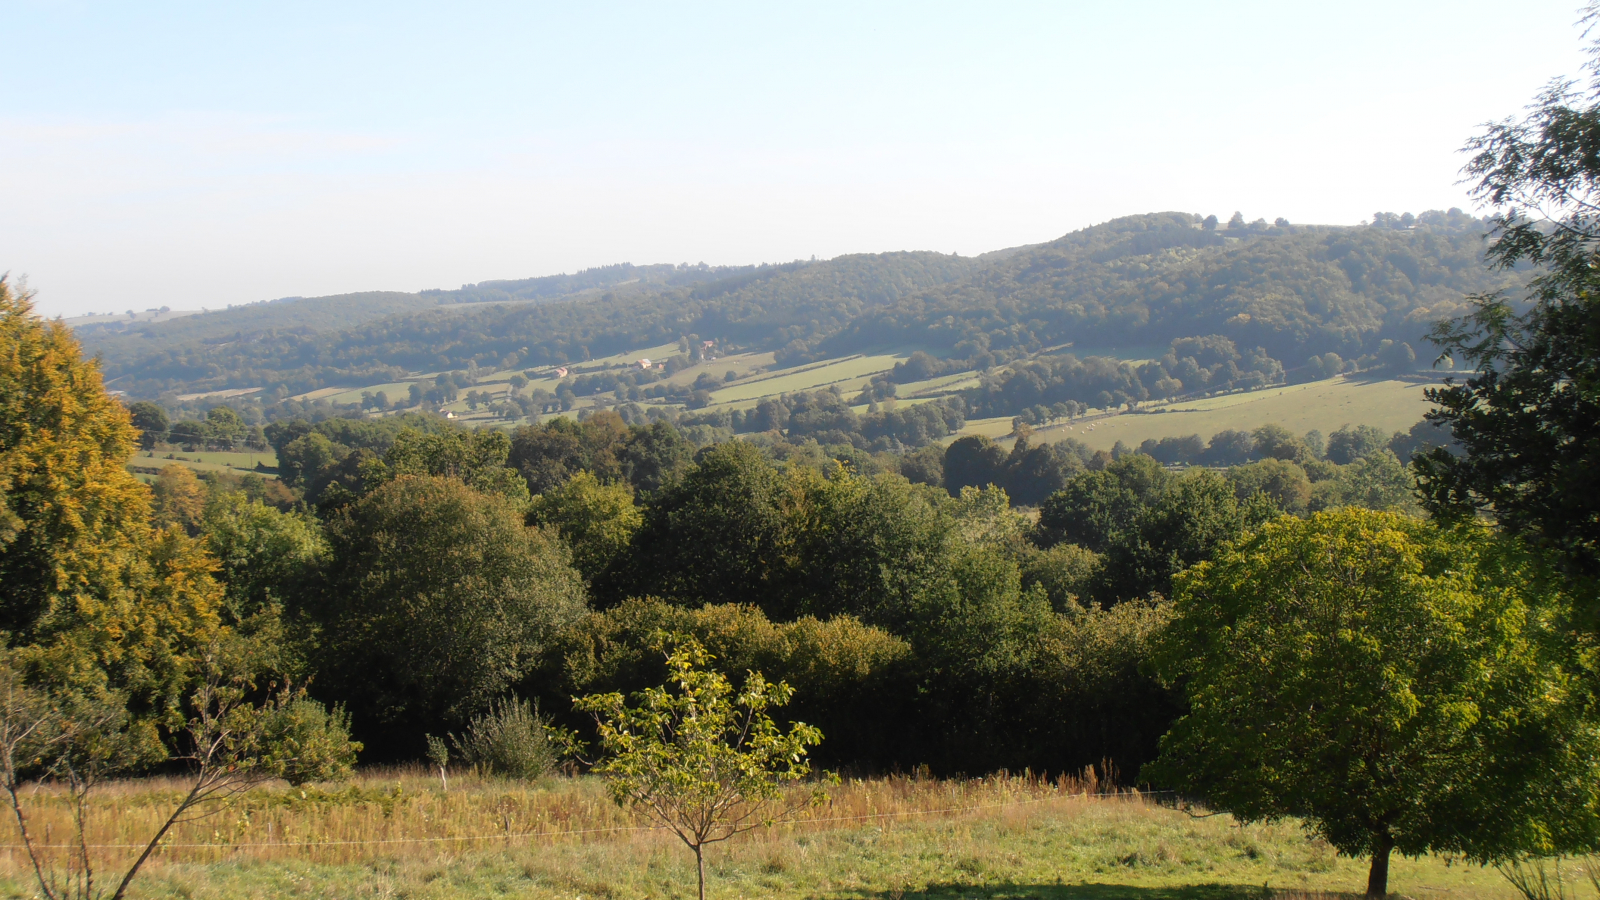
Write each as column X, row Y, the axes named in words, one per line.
column 756, row 305
column 1139, row 280
column 1155, row 278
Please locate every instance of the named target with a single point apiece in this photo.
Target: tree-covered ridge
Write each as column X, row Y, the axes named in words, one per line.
column 757, row 306
column 1153, row 278
column 1292, row 291
column 122, row 345
column 315, row 315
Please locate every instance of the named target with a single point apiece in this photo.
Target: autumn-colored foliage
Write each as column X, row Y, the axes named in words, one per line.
column 94, row 594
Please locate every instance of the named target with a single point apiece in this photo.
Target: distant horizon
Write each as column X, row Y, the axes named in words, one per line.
column 200, row 156
column 174, row 312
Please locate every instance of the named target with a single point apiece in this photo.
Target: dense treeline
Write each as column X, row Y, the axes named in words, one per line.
column 431, row 580
column 431, row 571
column 122, row 344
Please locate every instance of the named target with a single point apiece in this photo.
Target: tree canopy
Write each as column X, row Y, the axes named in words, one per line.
column 1528, row 417
column 439, row 599
column 1390, row 682
column 94, row 594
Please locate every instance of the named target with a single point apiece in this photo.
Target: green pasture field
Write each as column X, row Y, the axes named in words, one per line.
column 654, row 354
column 1132, row 353
column 862, row 409
column 1323, row 405
column 397, row 390
column 880, row 840
column 202, row 461
column 954, row 382
column 814, row 375
column 996, row 428
column 324, row 393
column 746, row 365
column 246, row 459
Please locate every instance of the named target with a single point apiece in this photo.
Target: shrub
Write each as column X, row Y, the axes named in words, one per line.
column 312, row 740
column 510, row 740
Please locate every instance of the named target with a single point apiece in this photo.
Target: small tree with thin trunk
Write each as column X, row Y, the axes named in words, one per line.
column 232, row 743
column 1395, row 685
column 700, row 759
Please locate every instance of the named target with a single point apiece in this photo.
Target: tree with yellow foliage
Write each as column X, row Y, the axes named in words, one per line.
column 114, row 654
column 95, row 596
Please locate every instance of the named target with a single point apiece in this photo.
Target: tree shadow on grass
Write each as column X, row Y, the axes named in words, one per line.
column 1022, row 891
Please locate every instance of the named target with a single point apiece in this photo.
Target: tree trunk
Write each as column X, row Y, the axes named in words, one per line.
column 1378, row 876
column 700, row 867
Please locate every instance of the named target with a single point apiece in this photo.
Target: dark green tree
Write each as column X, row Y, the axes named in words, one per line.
column 880, row 549
column 1187, row 523
column 151, row 420
column 549, row 453
column 1283, row 482
column 478, row 459
column 1036, row 471
column 721, row 534
column 973, row 461
column 225, row 429
column 438, row 600
column 1273, row 441
column 654, row 455
column 1528, row 418
column 1096, row 508
column 266, row 559
column 1347, row 445
column 597, row 522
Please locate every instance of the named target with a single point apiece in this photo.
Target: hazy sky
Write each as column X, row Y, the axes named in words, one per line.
column 212, row 153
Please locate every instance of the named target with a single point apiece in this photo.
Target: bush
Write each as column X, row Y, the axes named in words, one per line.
column 848, row 676
column 510, row 740
column 314, row 740
column 1063, row 571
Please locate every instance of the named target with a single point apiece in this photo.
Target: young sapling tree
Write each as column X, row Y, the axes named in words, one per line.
column 700, row 759
column 439, row 755
column 232, row 743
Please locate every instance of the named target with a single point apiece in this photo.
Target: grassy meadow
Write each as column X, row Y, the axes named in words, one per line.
column 395, row 833
column 1324, row 405
column 207, row 460
column 849, row 370
column 1391, row 405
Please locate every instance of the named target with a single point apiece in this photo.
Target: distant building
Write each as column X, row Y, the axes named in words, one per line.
column 561, row 372
column 643, row 364
column 707, row 344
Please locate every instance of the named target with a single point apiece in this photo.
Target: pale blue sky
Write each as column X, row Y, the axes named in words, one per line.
column 204, row 154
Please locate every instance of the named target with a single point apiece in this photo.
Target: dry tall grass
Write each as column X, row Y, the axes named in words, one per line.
column 397, row 812
column 394, row 833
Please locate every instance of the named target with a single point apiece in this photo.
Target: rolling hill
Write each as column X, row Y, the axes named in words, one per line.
column 1138, row 281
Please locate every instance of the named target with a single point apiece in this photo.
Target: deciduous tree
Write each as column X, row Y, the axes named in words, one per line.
column 700, row 759
column 438, row 599
column 596, row 520
column 1528, row 417
column 92, row 594
column 1389, row 682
